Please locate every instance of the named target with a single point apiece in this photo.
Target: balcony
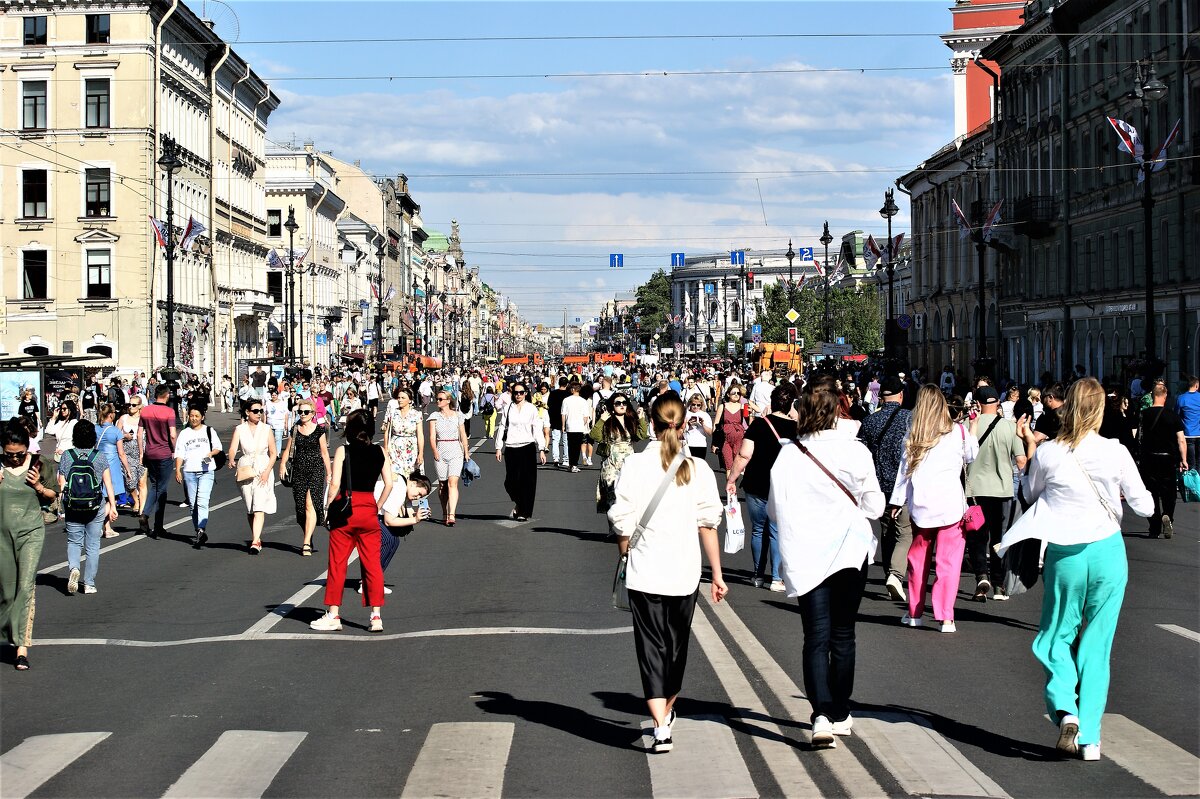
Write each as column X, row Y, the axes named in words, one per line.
column 1035, row 215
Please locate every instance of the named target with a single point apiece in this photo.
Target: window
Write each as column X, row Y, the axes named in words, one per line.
column 35, row 31
column 97, row 28
column 275, row 286
column 34, row 265
column 33, row 105
column 97, row 185
column 34, row 193
column 99, row 274
column 274, row 223
column 96, row 98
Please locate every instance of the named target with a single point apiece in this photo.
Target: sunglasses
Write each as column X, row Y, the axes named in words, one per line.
column 620, row 404
column 254, row 410
column 15, row 456
column 306, row 413
column 518, row 393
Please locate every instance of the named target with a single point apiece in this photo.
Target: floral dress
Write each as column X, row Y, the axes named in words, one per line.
column 402, row 440
column 619, row 449
column 308, row 473
column 133, row 455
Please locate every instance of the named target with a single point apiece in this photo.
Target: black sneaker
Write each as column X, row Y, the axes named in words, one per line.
column 200, row 539
column 662, row 745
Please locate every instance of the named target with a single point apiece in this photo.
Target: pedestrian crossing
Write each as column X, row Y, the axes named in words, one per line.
column 472, row 759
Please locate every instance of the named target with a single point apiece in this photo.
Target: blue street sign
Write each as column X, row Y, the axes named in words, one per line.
column 737, row 258
column 363, row 304
column 806, row 253
column 756, row 330
column 616, row 260
column 637, row 320
column 322, row 338
column 368, row 337
column 577, row 320
column 841, row 339
column 710, row 288
column 677, row 259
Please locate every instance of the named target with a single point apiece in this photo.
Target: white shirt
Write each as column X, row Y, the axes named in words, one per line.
column 695, row 435
column 277, row 414
column 192, row 445
column 820, row 530
column 1066, row 509
column 63, row 431
column 933, row 493
column 577, row 414
column 523, row 425
column 760, row 395
column 666, row 560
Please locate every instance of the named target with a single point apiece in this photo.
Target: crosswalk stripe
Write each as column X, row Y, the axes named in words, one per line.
column 705, row 763
column 840, row 762
column 921, row 760
column 1184, row 632
column 776, row 750
column 461, row 759
column 242, row 763
column 1149, row 757
column 30, row 763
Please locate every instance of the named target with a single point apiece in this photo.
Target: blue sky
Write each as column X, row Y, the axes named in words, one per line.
column 526, row 164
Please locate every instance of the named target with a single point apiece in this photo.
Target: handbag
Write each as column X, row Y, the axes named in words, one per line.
column 620, row 593
column 220, row 460
column 246, row 470
column 342, row 504
column 973, row 518
column 735, row 528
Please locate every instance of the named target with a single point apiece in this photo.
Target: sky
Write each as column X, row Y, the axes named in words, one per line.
column 557, row 133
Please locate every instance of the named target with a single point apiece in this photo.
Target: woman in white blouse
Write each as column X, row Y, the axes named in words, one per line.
column 663, row 572
column 1076, row 482
column 824, row 494
column 929, row 483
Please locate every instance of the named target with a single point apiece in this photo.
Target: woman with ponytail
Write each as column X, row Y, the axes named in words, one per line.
column 663, row 571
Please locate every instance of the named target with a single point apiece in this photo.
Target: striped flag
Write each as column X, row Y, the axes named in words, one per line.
column 872, row 255
column 160, row 231
column 993, row 219
column 195, row 228
column 897, row 240
column 274, row 262
column 964, row 227
column 374, row 290
column 390, row 294
column 1130, row 141
column 1160, row 157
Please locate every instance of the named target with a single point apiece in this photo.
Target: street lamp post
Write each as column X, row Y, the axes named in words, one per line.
column 291, row 226
column 428, row 321
column 889, row 210
column 979, row 165
column 379, row 254
column 790, row 255
column 825, row 239
column 1148, row 89
column 170, row 163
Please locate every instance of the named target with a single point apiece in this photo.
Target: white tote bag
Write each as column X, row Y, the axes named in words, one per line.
column 735, row 528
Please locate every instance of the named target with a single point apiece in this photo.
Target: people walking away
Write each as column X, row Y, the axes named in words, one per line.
column 667, row 509
column 1076, row 483
column 698, row 424
column 990, row 482
column 824, row 492
column 731, row 421
column 522, row 439
column 761, row 445
column 253, row 469
column 883, row 433
column 195, row 469
column 575, row 424
column 357, row 466
column 466, row 406
column 760, row 395
column 1187, row 408
column 615, row 433
column 25, row 484
column 928, row 482
column 1162, row 457
column 85, row 484
column 403, row 435
column 158, row 448
column 448, row 439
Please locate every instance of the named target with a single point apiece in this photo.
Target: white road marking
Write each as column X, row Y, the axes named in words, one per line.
column 1149, row 757
column 346, row 639
column 841, row 762
column 297, row 599
column 779, row 754
column 30, row 763
column 921, row 760
column 464, row 759
column 134, row 537
column 705, row 763
column 1181, row 631
column 240, row 765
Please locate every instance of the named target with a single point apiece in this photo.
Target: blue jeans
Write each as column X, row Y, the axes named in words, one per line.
column 389, row 542
column 158, row 482
column 278, row 431
column 757, row 508
column 556, row 443
column 199, row 487
column 828, row 613
column 85, row 536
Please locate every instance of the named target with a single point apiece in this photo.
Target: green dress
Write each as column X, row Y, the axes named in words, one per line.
column 21, row 534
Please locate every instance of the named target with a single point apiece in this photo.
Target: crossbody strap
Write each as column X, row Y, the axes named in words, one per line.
column 828, row 473
column 888, row 426
column 647, row 514
column 988, row 432
column 1108, row 508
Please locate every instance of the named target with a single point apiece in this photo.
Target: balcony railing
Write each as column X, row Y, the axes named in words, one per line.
column 1035, row 215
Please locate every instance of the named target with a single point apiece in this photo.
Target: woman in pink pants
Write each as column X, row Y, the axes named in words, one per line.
column 929, row 483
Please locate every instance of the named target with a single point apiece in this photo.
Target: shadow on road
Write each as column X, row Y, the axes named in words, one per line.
column 969, row 734
column 573, row 720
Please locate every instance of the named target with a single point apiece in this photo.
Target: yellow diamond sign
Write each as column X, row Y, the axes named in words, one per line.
column 791, row 315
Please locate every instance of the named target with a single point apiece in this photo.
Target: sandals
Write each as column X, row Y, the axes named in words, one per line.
column 450, row 520
column 22, row 663
column 306, row 550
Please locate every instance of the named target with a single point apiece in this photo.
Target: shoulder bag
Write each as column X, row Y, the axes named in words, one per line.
column 620, row 593
column 828, row 473
column 246, row 464
column 341, row 506
column 1112, row 512
column 972, row 519
column 220, row 460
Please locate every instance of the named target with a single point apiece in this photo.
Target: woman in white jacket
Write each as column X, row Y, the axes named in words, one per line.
column 929, row 483
column 663, row 572
column 824, row 492
column 1076, row 482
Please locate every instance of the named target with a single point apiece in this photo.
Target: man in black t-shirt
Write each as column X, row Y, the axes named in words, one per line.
column 1163, row 454
column 558, row 441
column 1048, row 424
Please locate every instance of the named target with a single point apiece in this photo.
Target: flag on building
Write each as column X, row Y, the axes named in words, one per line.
column 374, row 290
column 871, row 254
column 1130, row 141
column 390, row 294
column 897, row 240
column 300, row 256
column 1160, row 156
column 274, row 262
column 993, row 219
column 160, row 231
column 964, row 227
column 195, row 228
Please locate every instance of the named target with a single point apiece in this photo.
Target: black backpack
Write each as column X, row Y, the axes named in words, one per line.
column 81, row 493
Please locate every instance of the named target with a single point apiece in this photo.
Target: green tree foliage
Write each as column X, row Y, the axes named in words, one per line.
column 654, row 302
column 853, row 314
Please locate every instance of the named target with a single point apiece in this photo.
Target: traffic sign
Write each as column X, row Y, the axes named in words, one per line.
column 840, row 340
column 756, row 330
column 731, row 347
column 368, row 337
column 363, row 304
column 836, row 350
column 677, row 259
column 737, row 258
column 904, row 321
column 616, row 260
column 792, row 315
column 710, row 288
column 805, row 253
column 791, row 335
column 758, row 338
column 679, row 346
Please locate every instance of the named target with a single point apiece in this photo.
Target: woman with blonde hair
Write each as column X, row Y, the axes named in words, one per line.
column 1076, row 482
column 663, row 568
column 932, row 459
column 308, row 452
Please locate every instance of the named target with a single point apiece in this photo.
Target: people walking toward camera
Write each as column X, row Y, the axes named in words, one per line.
column 448, row 439
column 663, row 544
column 883, row 432
column 1076, row 483
column 308, row 455
column 404, row 437
column 928, row 483
column 195, row 449
column 253, row 469
column 158, row 436
column 522, row 439
column 575, row 423
column 615, row 433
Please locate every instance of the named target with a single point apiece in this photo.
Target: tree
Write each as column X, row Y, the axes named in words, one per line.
column 654, row 302
column 852, row 313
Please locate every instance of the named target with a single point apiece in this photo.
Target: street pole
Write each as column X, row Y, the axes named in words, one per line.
column 889, row 210
column 291, row 226
column 170, row 164
column 826, row 238
column 1147, row 89
column 379, row 254
column 428, row 321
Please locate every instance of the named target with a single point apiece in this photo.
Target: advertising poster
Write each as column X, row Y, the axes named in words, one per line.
column 12, row 383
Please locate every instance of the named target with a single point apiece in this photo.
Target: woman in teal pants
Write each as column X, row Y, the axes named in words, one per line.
column 1076, row 482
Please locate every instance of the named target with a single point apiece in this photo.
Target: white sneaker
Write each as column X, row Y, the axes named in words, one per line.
column 574, row 470
column 89, row 589
column 327, row 623
column 895, row 588
column 386, row 590
column 948, row 627
column 587, row 461
column 844, row 726
column 778, row 587
column 376, row 624
column 1068, row 735
column 1089, row 752
column 909, row 621
column 73, row 581
column 822, row 733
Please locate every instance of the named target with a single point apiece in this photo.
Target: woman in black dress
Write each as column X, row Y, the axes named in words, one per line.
column 309, row 456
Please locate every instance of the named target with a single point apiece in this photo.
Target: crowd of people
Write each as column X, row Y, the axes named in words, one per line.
column 950, row 474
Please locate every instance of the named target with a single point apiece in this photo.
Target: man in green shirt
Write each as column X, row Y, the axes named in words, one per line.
column 990, row 482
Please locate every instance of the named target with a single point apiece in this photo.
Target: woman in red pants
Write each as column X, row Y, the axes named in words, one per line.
column 365, row 463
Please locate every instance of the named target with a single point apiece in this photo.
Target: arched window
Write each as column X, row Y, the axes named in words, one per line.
column 36, row 349
column 937, row 326
column 734, row 312
column 951, row 329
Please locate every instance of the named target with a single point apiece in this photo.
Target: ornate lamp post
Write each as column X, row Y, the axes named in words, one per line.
column 169, row 162
column 291, row 226
column 379, row 254
column 1147, row 89
column 790, row 255
column 889, row 210
column 826, row 238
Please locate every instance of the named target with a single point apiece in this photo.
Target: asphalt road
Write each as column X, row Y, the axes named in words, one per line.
column 502, row 671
